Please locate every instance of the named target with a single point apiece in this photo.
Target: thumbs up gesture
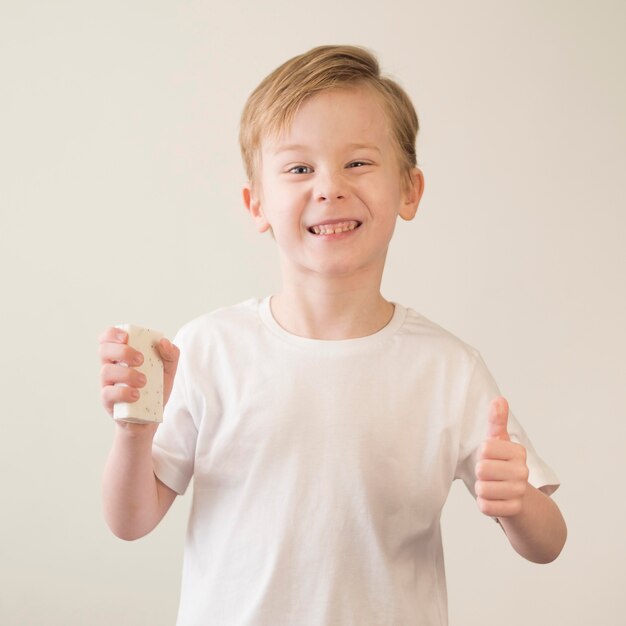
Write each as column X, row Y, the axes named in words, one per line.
column 501, row 471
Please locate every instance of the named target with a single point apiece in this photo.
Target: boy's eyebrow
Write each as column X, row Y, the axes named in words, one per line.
column 288, row 148
column 367, row 146
column 298, row 147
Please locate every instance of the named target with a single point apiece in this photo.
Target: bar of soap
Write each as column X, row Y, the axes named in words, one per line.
column 149, row 407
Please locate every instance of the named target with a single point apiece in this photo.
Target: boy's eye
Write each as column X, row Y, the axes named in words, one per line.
column 357, row 164
column 300, row 169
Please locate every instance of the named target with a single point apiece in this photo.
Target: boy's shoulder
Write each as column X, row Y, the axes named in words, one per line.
column 225, row 319
column 421, row 329
column 222, row 324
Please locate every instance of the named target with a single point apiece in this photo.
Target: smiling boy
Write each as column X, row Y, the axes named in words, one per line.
column 323, row 426
column 338, row 168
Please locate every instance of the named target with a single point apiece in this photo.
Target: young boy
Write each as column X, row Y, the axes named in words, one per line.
column 323, row 426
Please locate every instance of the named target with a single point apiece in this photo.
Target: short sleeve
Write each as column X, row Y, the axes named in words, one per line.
column 481, row 390
column 174, row 445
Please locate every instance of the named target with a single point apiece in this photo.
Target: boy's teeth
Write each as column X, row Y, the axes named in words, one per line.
column 331, row 229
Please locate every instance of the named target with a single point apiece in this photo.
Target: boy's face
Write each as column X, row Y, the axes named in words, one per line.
column 331, row 186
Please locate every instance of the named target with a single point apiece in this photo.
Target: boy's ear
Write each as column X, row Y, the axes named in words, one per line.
column 253, row 204
column 413, row 194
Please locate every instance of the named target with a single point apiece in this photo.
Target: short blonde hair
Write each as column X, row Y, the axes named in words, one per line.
column 271, row 107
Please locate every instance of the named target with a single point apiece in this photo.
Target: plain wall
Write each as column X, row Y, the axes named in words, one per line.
column 120, row 200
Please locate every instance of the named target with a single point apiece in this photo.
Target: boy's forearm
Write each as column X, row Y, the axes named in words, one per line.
column 538, row 532
column 130, row 495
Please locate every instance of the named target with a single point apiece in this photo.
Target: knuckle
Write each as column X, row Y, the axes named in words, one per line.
column 105, row 373
column 519, row 489
column 518, row 452
column 109, row 334
column 483, row 470
column 479, row 469
column 523, row 473
column 485, row 449
column 484, row 506
column 105, row 399
column 104, row 351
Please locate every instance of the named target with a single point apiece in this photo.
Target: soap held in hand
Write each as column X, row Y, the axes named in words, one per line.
column 149, row 407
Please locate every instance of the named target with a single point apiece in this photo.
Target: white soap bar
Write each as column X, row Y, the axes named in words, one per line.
column 149, row 407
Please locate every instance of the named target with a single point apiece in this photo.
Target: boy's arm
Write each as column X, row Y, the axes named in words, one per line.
column 531, row 519
column 134, row 499
column 538, row 532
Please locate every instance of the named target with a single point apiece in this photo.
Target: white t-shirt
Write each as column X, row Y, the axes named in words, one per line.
column 320, row 468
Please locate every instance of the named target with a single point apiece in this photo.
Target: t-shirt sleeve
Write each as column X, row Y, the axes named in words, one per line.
column 174, row 445
column 482, row 389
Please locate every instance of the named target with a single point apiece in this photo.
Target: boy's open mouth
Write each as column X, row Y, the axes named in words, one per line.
column 334, row 228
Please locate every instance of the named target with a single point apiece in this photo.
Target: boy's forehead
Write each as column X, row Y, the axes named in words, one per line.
column 353, row 116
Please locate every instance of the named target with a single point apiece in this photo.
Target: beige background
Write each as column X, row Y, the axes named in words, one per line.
column 119, row 201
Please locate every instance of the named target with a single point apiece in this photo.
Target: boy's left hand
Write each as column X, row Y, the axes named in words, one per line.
column 501, row 470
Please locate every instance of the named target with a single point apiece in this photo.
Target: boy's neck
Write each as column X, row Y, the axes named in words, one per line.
column 328, row 313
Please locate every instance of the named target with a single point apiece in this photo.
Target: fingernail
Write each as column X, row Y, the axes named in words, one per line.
column 134, row 394
column 142, row 379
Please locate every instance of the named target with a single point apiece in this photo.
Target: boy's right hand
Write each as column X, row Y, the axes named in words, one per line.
column 119, row 361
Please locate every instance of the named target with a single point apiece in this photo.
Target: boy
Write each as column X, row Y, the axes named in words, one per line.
column 323, row 426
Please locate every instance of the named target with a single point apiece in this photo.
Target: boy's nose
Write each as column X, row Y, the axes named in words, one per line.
column 330, row 187
column 330, row 196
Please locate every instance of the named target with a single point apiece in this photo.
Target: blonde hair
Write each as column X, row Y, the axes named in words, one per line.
column 271, row 107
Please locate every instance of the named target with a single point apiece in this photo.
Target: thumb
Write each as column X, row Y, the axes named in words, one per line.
column 498, row 419
column 169, row 355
